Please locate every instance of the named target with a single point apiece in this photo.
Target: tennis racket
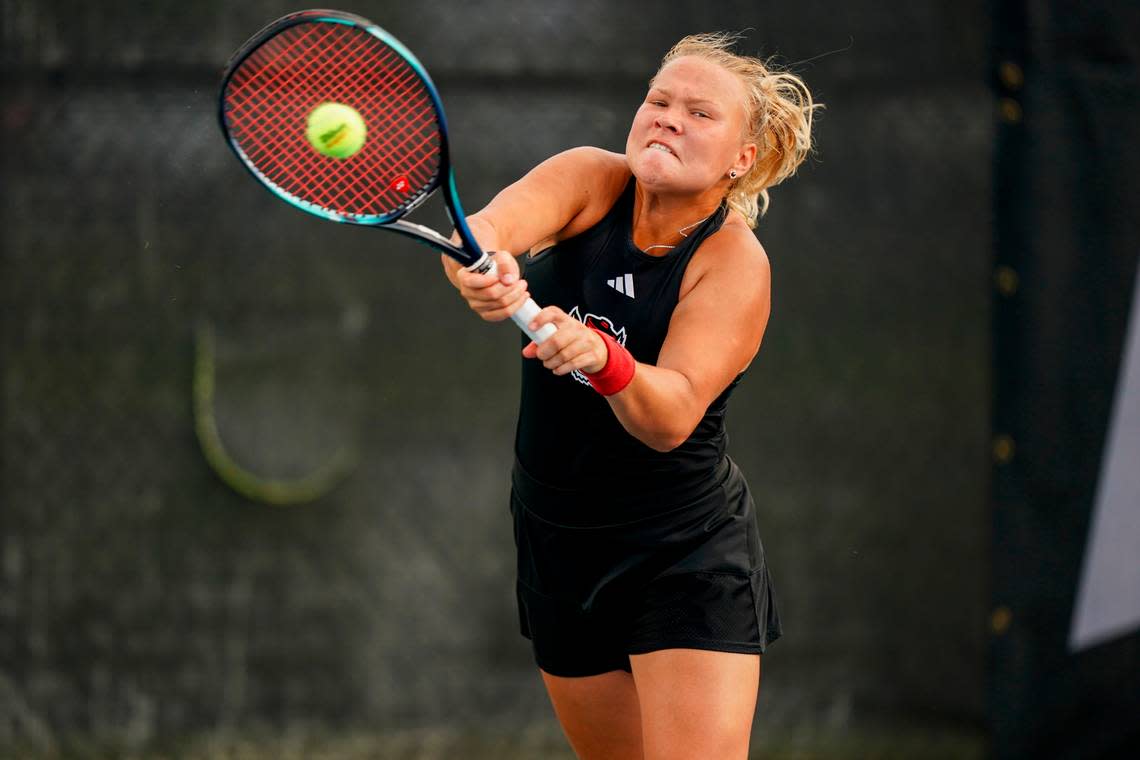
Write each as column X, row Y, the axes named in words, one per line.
column 377, row 109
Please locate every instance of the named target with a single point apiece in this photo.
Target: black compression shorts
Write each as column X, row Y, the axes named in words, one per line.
column 690, row 577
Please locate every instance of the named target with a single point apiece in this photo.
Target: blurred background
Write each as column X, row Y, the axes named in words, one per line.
column 255, row 465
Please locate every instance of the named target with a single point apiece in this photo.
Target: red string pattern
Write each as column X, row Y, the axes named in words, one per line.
column 268, row 99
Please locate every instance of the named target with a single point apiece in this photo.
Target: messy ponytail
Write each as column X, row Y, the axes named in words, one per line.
column 780, row 112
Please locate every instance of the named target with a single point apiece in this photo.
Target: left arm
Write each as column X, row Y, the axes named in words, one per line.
column 714, row 333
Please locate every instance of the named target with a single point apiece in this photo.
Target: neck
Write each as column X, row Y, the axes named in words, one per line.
column 661, row 222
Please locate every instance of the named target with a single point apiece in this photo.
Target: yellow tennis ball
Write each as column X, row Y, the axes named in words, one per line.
column 336, row 130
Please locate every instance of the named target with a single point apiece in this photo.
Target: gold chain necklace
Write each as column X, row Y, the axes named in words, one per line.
column 681, row 232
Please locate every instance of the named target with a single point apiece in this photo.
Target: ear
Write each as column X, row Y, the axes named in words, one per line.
column 744, row 159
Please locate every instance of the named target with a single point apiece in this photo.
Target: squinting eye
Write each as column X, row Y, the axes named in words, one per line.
column 702, row 114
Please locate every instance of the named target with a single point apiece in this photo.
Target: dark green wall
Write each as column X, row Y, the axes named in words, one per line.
column 141, row 597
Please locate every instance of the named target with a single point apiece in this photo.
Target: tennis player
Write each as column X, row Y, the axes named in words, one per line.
column 642, row 583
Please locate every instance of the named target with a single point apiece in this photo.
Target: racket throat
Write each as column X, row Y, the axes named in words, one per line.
column 429, row 237
column 483, row 265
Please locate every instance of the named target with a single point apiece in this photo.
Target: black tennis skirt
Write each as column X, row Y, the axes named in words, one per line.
column 690, row 576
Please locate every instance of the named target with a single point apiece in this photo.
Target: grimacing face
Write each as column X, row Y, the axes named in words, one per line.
column 689, row 132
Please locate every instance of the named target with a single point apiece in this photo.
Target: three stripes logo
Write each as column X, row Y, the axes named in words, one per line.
column 623, row 285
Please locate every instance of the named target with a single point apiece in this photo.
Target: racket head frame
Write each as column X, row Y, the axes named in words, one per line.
column 468, row 252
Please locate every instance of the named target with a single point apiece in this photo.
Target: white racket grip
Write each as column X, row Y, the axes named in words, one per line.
column 525, row 314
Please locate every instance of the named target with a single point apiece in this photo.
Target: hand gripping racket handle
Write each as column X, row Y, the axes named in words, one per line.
column 524, row 314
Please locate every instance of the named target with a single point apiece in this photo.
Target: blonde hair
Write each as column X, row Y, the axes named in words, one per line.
column 779, row 107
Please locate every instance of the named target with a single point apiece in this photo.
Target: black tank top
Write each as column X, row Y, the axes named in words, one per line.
column 568, row 440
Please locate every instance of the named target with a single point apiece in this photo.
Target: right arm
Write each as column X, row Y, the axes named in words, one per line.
column 561, row 197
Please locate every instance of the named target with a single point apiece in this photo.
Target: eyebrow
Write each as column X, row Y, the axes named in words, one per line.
column 693, row 101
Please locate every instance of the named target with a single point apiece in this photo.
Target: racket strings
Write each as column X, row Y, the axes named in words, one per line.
column 270, row 95
column 398, row 90
column 268, row 71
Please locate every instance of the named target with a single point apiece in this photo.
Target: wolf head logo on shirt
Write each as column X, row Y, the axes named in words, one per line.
column 598, row 323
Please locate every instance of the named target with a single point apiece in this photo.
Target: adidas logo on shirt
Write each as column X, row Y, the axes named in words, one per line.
column 623, row 285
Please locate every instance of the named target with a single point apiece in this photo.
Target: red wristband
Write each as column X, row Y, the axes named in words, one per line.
column 619, row 368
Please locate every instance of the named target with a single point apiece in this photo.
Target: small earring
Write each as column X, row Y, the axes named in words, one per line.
column 732, row 174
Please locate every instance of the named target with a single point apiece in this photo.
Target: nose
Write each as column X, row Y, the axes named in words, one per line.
column 665, row 120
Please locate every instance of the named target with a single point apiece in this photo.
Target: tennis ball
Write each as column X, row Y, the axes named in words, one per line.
column 336, row 130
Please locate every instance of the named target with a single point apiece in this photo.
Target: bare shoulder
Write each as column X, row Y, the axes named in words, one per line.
column 732, row 257
column 591, row 157
column 600, row 176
